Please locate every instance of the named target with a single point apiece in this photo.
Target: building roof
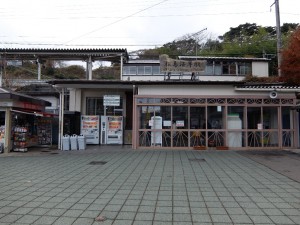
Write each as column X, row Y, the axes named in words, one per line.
column 130, row 84
column 9, row 94
column 143, row 61
column 214, row 58
column 62, row 54
column 122, row 84
column 38, row 89
column 268, row 86
column 222, row 58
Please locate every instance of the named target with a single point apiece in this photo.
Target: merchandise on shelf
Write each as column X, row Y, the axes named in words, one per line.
column 44, row 131
column 20, row 139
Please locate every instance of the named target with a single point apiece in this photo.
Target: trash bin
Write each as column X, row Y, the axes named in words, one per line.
column 73, row 140
column 81, row 142
column 65, row 142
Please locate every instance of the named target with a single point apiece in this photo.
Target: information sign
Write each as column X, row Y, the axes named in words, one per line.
column 111, row 100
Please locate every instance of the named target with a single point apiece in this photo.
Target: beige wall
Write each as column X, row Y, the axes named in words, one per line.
column 78, row 97
column 260, row 69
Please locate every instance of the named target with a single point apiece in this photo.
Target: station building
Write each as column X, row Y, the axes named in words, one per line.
column 214, row 107
column 186, row 103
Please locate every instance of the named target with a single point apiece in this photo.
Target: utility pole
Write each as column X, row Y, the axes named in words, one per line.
column 278, row 34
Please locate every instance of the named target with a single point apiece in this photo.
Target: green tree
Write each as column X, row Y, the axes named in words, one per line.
column 70, row 72
column 107, row 72
column 255, row 41
column 188, row 44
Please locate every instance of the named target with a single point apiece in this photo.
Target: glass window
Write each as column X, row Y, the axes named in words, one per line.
column 126, row 70
column 270, row 118
column 254, row 122
column 66, row 100
column 197, row 118
column 286, row 118
column 141, row 70
column 94, row 106
column 180, row 117
column 235, row 122
column 244, row 68
column 232, row 68
column 225, row 68
column 165, row 113
column 217, row 68
column 208, row 69
column 148, row 70
column 254, row 118
column 132, row 70
column 236, row 117
column 156, row 69
column 215, row 117
column 287, row 123
column 146, row 113
column 142, row 100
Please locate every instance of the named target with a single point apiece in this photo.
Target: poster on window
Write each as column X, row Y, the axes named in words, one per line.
column 179, row 123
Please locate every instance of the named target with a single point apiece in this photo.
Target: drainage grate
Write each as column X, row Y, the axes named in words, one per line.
column 197, row 160
column 97, row 163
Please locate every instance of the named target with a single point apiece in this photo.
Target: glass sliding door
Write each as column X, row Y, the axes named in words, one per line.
column 165, row 113
column 180, row 125
column 235, row 126
column 287, row 127
column 270, row 126
column 145, row 113
column 215, row 126
column 197, row 126
column 254, row 125
column 212, row 122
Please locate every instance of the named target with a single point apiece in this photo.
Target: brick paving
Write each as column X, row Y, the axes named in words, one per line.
column 138, row 187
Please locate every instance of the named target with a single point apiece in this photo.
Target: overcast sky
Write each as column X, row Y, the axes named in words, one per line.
column 131, row 24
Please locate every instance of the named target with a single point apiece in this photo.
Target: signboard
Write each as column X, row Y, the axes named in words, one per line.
column 14, row 63
column 179, row 123
column 175, row 65
column 111, row 100
column 259, row 126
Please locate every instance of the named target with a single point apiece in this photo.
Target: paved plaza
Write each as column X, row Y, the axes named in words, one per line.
column 139, row 187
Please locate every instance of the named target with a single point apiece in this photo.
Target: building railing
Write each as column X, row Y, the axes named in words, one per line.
column 210, row 138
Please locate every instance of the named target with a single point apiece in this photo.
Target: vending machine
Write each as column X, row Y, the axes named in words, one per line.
column 90, row 128
column 111, row 130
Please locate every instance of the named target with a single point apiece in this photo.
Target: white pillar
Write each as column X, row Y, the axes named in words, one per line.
column 0, row 77
column 39, row 70
column 90, row 67
column 121, row 68
column 61, row 118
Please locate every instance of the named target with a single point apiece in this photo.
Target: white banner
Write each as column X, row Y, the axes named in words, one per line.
column 111, row 100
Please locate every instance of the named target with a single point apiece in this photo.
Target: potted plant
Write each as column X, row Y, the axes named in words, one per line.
column 199, row 147
column 222, row 147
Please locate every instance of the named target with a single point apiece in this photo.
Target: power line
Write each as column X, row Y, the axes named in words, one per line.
column 117, row 21
column 86, row 45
